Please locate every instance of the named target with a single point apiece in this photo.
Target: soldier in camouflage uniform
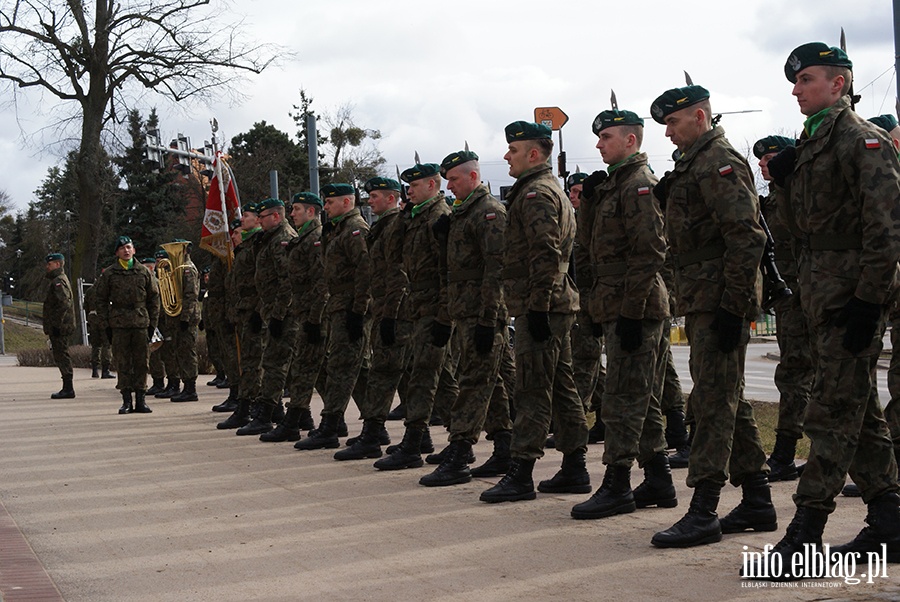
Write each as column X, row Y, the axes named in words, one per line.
column 59, row 321
column 101, row 354
column 157, row 366
column 228, row 331
column 208, row 323
column 348, row 275
column 622, row 226
column 306, row 276
column 424, row 264
column 128, row 304
column 184, row 335
column 165, row 354
column 475, row 304
column 221, row 331
column 794, row 372
column 716, row 241
column 542, row 298
column 843, row 187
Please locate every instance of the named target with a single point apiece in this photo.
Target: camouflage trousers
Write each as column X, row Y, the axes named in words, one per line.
column 252, row 345
column 794, row 372
column 587, row 363
column 307, row 361
column 101, row 354
column 214, row 350
column 184, row 351
column 726, row 439
column 344, row 364
column 448, row 385
column 892, row 410
column 845, row 424
column 226, row 336
column 671, row 396
column 276, row 360
column 60, row 348
column 545, row 390
column 214, row 322
column 428, row 365
column 387, row 367
column 157, row 366
column 132, row 351
column 631, row 411
column 501, row 410
column 476, row 375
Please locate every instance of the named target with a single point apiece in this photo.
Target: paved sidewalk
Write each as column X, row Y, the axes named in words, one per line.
column 165, row 507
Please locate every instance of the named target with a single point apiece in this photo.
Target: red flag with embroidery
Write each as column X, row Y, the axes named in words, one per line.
column 221, row 208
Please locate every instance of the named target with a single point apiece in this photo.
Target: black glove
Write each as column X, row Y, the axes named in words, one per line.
column 201, row 325
column 108, row 333
column 354, row 325
column 591, row 182
column 661, row 190
column 597, row 329
column 861, row 319
column 183, row 326
column 630, row 333
column 441, row 226
column 150, row 331
column 276, row 327
column 440, row 334
column 729, row 327
column 539, row 325
column 388, row 330
column 256, row 323
column 782, row 165
column 55, row 332
column 484, row 339
column 313, row 333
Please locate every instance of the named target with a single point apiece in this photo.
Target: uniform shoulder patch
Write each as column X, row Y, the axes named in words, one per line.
column 873, row 143
column 355, row 233
column 490, row 216
column 285, row 243
column 726, row 170
column 531, row 195
column 318, row 243
column 643, row 190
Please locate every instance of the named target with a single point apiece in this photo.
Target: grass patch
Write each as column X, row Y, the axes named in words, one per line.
column 18, row 337
column 766, row 414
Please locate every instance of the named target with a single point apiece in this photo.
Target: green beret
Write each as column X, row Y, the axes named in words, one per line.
column 614, row 117
column 886, row 122
column 772, row 144
column 814, row 53
column 161, row 254
column 527, row 130
column 457, row 158
column 380, row 183
column 308, row 198
column 675, row 100
column 417, row 172
column 236, row 223
column 121, row 242
column 55, row 257
column 332, row 190
column 575, row 179
column 147, row 260
column 269, row 204
column 250, row 208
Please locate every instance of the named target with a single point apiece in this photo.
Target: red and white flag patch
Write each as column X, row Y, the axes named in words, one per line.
column 354, row 233
column 490, row 216
column 873, row 143
column 726, row 170
column 318, row 243
column 284, row 243
column 530, row 195
column 643, row 190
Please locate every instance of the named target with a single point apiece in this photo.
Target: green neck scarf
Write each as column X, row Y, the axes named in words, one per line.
column 812, row 124
column 248, row 233
column 304, row 227
column 613, row 168
column 459, row 203
column 417, row 209
column 127, row 265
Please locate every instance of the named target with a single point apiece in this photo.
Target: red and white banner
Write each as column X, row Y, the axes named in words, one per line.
column 221, row 208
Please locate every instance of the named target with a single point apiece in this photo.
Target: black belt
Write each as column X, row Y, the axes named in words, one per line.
column 460, row 275
column 521, row 271
column 424, row 285
column 701, row 254
column 833, row 242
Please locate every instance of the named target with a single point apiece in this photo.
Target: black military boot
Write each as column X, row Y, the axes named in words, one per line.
column 699, row 526
column 287, row 429
column 597, row 434
column 426, row 447
column 218, row 379
column 324, row 437
column 159, row 385
column 173, row 388
column 498, row 463
column 572, row 477
column 683, row 454
column 140, row 403
column 384, row 438
column 189, row 393
column 398, row 413
column 781, row 462
column 657, row 488
column 439, row 457
column 230, row 404
column 805, row 529
column 95, row 371
column 755, row 512
column 278, row 412
column 676, row 432
column 883, row 519
column 105, row 373
column 367, row 445
column 454, row 470
column 407, row 455
column 851, row 490
column 261, row 423
column 613, row 497
column 127, row 403
column 67, row 391
column 341, row 427
column 224, row 384
column 516, row 485
column 239, row 418
column 306, row 420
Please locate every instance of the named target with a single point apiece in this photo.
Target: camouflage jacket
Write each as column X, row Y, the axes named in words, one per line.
column 475, row 259
column 272, row 272
column 713, row 229
column 127, row 298
column 307, row 273
column 425, row 261
column 59, row 312
column 243, row 274
column 214, row 303
column 385, row 242
column 844, row 195
column 348, row 267
column 581, row 257
column 622, row 226
column 190, row 293
column 540, row 234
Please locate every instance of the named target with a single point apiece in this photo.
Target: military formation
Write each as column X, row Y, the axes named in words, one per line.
column 489, row 317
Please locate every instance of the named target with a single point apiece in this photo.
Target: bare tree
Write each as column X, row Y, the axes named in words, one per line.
column 181, row 49
column 355, row 155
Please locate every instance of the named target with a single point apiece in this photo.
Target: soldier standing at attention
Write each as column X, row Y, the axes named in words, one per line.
column 59, row 321
column 542, row 298
column 128, row 304
column 713, row 231
column 843, row 188
column 185, row 335
column 228, row 330
column 622, row 226
column 101, row 355
column 157, row 365
column 348, row 275
column 166, row 352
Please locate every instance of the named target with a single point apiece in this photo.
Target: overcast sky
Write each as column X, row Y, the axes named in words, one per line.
column 431, row 75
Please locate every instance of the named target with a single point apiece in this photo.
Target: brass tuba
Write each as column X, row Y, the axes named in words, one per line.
column 170, row 273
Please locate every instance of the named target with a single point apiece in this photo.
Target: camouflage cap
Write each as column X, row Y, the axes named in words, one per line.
column 269, row 203
column 161, row 254
column 527, row 130
column 420, row 171
column 55, row 257
column 814, row 53
column 147, row 260
column 235, row 223
column 380, row 183
column 886, row 122
column 250, row 208
column 772, row 144
column 675, row 100
column 457, row 158
column 614, row 117
column 575, row 179
column 332, row 190
column 121, row 242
